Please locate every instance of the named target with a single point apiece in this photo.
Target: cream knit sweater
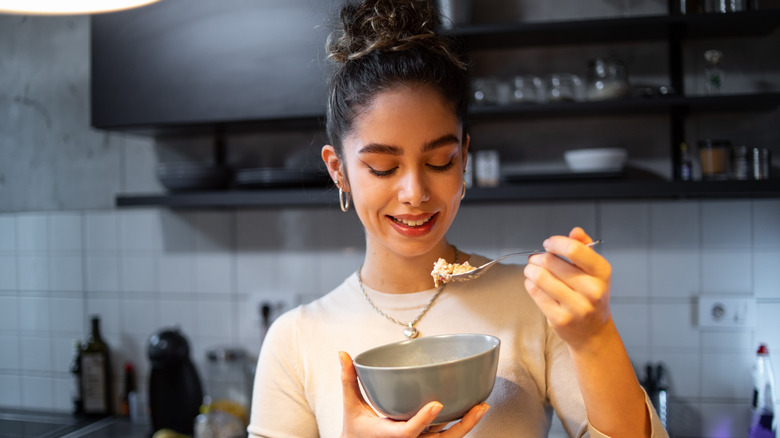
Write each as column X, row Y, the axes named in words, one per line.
column 298, row 394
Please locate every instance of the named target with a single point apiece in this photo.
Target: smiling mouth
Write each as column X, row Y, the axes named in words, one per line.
column 411, row 223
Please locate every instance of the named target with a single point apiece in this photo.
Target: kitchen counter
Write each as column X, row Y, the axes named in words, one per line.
column 18, row 423
column 113, row 427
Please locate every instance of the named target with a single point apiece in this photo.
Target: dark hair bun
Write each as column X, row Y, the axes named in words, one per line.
column 386, row 25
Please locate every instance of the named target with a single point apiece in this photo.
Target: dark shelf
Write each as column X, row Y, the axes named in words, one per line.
column 528, row 191
column 662, row 104
column 614, row 30
column 671, row 28
column 314, row 197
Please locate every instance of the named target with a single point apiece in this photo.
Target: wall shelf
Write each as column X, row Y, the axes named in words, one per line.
column 615, row 30
column 661, row 104
column 529, row 191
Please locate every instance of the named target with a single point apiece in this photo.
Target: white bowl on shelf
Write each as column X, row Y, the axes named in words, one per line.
column 596, row 159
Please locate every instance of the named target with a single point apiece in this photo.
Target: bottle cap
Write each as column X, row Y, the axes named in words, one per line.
column 763, row 349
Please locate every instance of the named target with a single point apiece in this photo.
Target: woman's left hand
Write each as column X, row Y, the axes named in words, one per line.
column 361, row 421
column 573, row 294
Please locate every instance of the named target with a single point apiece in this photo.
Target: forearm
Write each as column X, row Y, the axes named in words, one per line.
column 613, row 397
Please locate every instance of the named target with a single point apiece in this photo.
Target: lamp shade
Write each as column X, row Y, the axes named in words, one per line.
column 67, row 7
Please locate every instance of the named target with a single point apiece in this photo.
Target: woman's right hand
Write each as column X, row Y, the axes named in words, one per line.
column 360, row 421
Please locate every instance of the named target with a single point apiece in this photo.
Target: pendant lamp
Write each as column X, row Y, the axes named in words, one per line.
column 68, row 7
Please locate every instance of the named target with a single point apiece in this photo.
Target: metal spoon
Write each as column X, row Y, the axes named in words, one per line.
column 479, row 270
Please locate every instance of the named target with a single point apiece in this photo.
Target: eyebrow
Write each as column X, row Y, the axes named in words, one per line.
column 379, row 148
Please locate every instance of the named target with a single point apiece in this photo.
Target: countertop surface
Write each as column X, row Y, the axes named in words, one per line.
column 113, row 427
column 17, row 423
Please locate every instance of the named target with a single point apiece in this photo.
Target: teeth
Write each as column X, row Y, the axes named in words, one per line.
column 409, row 223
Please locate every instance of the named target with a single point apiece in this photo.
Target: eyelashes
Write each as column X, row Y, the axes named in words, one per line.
column 444, row 168
column 384, row 173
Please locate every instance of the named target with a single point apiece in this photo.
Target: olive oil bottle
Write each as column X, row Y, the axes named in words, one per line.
column 95, row 367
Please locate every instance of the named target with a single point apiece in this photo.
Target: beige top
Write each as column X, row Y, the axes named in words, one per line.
column 298, row 392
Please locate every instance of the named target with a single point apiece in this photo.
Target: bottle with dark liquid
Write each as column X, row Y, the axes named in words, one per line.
column 95, row 365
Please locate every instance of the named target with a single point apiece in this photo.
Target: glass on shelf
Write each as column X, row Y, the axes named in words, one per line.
column 713, row 73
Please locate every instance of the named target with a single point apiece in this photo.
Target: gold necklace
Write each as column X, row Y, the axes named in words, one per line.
column 410, row 331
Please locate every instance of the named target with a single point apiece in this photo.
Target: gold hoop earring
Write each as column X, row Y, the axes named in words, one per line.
column 463, row 195
column 342, row 203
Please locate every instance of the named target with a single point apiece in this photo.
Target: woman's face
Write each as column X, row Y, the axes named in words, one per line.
column 405, row 158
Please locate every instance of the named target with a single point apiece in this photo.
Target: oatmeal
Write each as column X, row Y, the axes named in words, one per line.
column 442, row 270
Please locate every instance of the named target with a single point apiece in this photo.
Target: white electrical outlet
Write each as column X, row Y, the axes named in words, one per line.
column 726, row 311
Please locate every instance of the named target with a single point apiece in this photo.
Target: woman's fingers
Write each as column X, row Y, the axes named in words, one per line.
column 416, row 425
column 359, row 418
column 464, row 426
column 575, row 250
column 560, row 278
column 349, row 385
column 570, row 284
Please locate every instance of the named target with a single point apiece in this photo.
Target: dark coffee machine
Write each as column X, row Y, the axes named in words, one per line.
column 175, row 391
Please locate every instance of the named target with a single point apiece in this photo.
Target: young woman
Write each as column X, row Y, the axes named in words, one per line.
column 396, row 111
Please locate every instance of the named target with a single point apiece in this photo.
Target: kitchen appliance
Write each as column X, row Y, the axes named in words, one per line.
column 175, row 391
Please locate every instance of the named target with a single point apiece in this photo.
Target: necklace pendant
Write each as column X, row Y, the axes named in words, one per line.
column 411, row 332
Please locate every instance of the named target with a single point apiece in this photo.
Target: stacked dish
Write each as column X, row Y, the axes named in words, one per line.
column 596, row 159
column 185, row 175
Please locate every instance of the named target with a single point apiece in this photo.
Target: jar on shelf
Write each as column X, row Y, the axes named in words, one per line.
column 484, row 91
column 527, row 89
column 715, row 157
column 713, row 72
column 606, row 79
column 564, row 87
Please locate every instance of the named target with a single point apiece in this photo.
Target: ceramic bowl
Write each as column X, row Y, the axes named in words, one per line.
column 596, row 159
column 457, row 370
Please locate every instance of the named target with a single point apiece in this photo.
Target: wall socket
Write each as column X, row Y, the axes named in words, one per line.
column 727, row 312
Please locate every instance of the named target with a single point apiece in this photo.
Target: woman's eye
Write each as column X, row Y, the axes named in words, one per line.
column 443, row 168
column 378, row 172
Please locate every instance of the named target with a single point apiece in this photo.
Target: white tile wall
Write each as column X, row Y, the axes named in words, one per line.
column 207, row 272
column 7, row 233
column 8, row 271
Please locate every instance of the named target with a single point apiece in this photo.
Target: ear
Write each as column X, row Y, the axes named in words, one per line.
column 334, row 165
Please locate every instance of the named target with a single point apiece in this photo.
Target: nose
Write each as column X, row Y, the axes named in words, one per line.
column 413, row 189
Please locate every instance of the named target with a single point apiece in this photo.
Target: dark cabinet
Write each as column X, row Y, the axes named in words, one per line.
column 183, row 66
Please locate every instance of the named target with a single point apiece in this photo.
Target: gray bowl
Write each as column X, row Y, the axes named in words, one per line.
column 456, row 370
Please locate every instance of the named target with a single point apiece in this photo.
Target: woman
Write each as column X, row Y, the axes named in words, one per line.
column 398, row 152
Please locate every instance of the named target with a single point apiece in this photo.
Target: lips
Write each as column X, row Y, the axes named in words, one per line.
column 413, row 226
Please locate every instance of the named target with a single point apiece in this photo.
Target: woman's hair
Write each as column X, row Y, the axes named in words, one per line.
column 380, row 44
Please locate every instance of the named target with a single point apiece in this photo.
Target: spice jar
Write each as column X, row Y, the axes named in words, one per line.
column 714, row 157
column 761, row 163
column 740, row 162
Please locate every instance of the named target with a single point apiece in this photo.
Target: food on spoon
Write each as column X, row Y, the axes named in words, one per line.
column 442, row 270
